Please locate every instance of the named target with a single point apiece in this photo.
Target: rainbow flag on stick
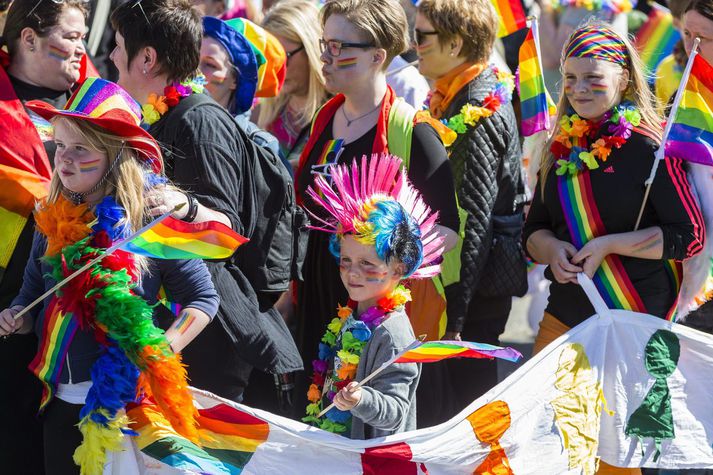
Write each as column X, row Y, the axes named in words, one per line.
column 691, row 134
column 175, row 239
column 537, row 105
column 432, row 351
column 657, row 37
column 511, row 16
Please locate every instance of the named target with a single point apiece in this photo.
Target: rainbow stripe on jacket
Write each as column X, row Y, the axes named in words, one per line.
column 536, row 104
column 691, row 135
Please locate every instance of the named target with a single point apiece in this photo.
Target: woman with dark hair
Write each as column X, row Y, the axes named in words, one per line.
column 698, row 23
column 359, row 40
column 44, row 61
column 454, row 43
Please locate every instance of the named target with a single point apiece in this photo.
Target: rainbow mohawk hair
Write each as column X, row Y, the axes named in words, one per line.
column 357, row 190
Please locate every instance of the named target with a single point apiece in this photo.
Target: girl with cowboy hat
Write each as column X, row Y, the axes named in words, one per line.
column 99, row 348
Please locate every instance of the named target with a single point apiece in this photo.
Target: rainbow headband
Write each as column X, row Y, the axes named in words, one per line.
column 597, row 43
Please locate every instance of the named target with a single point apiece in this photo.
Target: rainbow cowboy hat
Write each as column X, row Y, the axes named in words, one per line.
column 107, row 105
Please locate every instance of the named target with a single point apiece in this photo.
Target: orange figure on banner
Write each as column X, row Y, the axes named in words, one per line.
column 489, row 423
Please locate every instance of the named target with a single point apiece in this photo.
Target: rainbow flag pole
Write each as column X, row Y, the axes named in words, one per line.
column 661, row 152
column 432, row 351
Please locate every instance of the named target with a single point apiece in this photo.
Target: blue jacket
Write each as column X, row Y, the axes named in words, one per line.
column 188, row 283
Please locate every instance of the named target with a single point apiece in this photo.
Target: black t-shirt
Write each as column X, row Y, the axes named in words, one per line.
column 618, row 187
column 429, row 169
column 12, row 276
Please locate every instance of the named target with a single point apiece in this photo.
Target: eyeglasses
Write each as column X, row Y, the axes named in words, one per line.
column 421, row 35
column 289, row 54
column 334, row 47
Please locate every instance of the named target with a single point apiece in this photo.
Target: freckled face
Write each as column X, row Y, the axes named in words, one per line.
column 78, row 164
column 366, row 277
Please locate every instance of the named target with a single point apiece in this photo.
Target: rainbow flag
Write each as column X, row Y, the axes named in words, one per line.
column 175, row 239
column 691, row 135
column 57, row 333
column 585, row 223
column 432, row 351
column 228, row 438
column 511, row 16
column 657, row 37
column 536, row 103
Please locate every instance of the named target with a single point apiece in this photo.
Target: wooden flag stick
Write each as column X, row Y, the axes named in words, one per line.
column 661, row 152
column 381, row 368
column 95, row 260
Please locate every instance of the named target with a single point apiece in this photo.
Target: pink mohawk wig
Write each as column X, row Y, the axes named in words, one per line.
column 354, row 188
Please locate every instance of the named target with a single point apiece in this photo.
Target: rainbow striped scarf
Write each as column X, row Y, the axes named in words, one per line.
column 58, row 330
column 584, row 224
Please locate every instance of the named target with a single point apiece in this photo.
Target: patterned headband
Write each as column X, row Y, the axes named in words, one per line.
column 597, row 43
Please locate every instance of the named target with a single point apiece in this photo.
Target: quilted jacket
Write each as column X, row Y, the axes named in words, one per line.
column 486, row 166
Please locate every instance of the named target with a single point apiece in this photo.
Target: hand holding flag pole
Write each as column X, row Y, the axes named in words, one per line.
column 661, row 152
column 432, row 351
column 97, row 259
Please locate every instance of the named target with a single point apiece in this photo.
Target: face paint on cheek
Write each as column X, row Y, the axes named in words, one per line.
column 568, row 90
column 346, row 63
column 58, row 53
column 89, row 165
column 599, row 89
column 375, row 276
column 423, row 49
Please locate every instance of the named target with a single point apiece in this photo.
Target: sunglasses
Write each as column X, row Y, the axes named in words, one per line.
column 289, row 54
column 421, row 35
column 334, row 47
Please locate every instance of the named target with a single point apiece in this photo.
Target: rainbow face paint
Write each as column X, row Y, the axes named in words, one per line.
column 346, row 63
column 89, row 165
column 375, row 277
column 423, row 49
column 184, row 322
column 599, row 89
column 58, row 53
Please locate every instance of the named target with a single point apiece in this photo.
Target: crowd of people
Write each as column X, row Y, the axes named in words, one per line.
column 395, row 126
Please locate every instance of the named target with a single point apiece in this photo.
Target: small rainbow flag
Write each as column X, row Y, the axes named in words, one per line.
column 175, row 239
column 511, row 16
column 537, row 105
column 691, row 135
column 657, row 37
column 432, row 351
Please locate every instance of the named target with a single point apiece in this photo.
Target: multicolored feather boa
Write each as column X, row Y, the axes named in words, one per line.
column 137, row 360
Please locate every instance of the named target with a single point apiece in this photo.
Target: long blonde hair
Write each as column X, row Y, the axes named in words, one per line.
column 296, row 21
column 126, row 180
column 638, row 92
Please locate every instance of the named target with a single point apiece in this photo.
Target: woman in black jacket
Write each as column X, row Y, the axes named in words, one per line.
column 454, row 43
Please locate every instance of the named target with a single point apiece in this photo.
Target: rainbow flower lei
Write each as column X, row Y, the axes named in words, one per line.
column 470, row 115
column 157, row 105
column 613, row 6
column 344, row 341
column 570, row 146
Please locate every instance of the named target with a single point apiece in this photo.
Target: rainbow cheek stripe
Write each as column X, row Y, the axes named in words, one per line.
column 423, row 49
column 184, row 323
column 89, row 166
column 599, row 89
column 375, row 276
column 59, row 53
column 346, row 63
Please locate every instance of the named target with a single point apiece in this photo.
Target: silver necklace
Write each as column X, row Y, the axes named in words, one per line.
column 349, row 122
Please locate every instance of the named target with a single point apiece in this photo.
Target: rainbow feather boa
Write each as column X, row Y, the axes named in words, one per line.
column 137, row 360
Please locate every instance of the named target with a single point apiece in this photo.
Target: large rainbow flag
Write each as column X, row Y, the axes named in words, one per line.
column 175, row 239
column 691, row 135
column 537, row 105
column 433, row 351
column 657, row 37
column 511, row 16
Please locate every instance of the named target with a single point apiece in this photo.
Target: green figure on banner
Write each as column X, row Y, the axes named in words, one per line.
column 654, row 417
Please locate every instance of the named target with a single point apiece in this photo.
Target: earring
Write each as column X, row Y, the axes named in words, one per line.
column 32, row 49
column 144, row 71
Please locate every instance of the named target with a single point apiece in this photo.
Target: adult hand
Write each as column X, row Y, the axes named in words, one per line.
column 161, row 199
column 8, row 324
column 348, row 397
column 452, row 336
column 590, row 257
column 561, row 264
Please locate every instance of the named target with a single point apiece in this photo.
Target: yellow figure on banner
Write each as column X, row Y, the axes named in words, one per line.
column 578, row 408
